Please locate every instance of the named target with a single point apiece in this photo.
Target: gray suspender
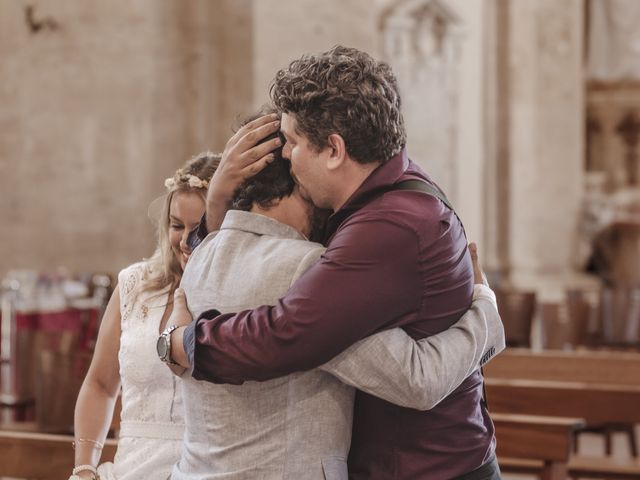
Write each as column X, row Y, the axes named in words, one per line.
column 425, row 187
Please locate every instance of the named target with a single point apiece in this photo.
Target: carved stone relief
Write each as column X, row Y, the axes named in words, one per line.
column 614, row 40
column 422, row 44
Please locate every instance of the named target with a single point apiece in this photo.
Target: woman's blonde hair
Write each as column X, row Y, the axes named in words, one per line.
column 164, row 269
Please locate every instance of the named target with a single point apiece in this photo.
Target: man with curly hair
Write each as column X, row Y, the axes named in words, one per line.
column 396, row 257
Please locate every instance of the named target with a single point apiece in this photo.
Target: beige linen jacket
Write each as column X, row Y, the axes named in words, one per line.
column 299, row 426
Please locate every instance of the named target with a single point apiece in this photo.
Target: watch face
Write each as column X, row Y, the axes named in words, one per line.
column 161, row 347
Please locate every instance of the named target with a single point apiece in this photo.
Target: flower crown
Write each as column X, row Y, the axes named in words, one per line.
column 192, row 180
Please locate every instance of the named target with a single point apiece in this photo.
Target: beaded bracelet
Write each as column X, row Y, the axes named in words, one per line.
column 96, row 444
column 84, row 468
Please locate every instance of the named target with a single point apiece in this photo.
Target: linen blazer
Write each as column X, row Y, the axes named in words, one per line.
column 299, row 425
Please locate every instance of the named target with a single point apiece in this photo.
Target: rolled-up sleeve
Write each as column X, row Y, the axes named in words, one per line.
column 189, row 336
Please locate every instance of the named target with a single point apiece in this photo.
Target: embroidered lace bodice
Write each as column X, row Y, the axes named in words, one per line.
column 152, row 422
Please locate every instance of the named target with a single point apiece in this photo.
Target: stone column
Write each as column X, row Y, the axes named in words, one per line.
column 422, row 44
column 536, row 154
column 436, row 48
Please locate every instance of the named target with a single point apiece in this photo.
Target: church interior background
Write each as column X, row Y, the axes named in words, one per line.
column 526, row 112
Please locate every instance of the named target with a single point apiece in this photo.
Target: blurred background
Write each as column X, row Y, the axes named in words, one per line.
column 522, row 110
column 526, row 112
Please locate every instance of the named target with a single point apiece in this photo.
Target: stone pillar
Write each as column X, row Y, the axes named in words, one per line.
column 436, row 48
column 537, row 153
column 422, row 43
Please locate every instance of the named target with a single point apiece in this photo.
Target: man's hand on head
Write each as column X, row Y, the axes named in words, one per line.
column 242, row 158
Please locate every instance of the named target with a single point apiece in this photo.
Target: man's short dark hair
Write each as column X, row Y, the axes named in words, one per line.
column 344, row 91
column 271, row 184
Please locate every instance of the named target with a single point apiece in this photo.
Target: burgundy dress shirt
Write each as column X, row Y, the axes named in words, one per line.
column 394, row 259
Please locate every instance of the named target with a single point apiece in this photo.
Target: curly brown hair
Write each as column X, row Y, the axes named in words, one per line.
column 344, row 91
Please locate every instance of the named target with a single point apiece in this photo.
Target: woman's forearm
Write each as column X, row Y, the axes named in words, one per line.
column 93, row 414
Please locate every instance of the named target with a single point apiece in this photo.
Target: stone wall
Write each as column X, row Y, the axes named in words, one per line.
column 100, row 102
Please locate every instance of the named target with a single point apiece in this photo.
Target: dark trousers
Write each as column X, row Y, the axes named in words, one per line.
column 488, row 471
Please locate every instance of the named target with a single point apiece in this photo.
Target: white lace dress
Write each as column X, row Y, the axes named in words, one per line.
column 152, row 423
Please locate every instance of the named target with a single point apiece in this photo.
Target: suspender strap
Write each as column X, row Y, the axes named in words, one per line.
column 425, row 187
column 430, row 189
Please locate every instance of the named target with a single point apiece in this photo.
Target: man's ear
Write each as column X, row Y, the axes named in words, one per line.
column 337, row 151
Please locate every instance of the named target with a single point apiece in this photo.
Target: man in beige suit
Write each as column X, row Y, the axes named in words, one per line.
column 299, row 426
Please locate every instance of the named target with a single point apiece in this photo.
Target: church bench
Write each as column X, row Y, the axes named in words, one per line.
column 41, row 456
column 578, row 466
column 596, row 403
column 541, row 445
column 583, row 466
column 535, row 444
column 588, row 366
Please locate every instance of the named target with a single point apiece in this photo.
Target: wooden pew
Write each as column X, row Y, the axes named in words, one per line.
column 596, row 403
column 27, row 453
column 601, row 367
column 588, row 366
column 40, row 456
column 526, row 444
column 535, row 444
column 607, row 467
column 48, row 457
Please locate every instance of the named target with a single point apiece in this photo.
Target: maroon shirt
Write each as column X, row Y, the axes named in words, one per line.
column 396, row 259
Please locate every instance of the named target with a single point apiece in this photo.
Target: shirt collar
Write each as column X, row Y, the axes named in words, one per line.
column 386, row 174
column 259, row 224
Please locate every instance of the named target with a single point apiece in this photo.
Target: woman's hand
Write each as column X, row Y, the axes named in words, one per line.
column 478, row 274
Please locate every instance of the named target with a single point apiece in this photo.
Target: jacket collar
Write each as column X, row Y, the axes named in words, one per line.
column 258, row 224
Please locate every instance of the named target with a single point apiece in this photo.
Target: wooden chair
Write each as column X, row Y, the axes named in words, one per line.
column 620, row 318
column 560, row 333
column 60, row 377
column 516, row 309
column 582, row 308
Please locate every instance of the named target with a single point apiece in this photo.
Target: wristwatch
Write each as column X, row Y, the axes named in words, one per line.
column 163, row 347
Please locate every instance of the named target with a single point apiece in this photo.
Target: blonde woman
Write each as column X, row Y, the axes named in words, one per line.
column 152, row 418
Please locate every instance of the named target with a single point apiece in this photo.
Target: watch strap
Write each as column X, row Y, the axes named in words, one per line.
column 167, row 336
